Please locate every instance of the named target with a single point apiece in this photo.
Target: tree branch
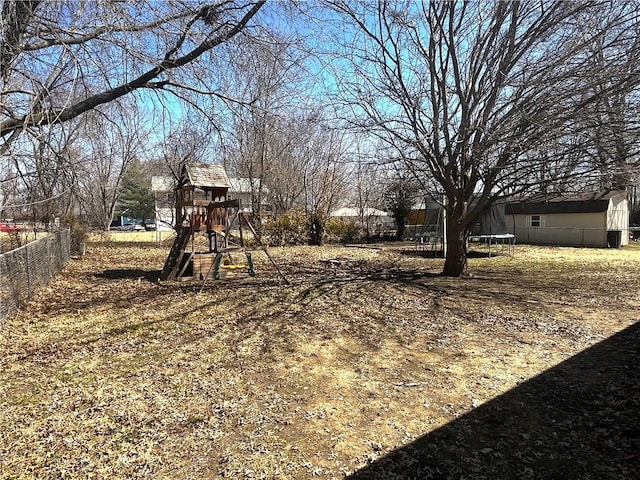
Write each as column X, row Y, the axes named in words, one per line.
column 59, row 116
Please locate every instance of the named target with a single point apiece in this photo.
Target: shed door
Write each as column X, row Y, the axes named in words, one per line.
column 614, row 238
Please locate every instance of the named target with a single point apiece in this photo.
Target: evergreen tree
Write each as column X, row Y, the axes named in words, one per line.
column 137, row 198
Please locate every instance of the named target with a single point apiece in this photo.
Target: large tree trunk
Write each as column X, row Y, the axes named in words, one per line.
column 400, row 223
column 316, row 229
column 455, row 264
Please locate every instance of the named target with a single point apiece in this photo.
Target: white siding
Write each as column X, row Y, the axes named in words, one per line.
column 165, row 219
column 618, row 217
column 569, row 229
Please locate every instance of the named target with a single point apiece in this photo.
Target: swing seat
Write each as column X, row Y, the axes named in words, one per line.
column 234, row 266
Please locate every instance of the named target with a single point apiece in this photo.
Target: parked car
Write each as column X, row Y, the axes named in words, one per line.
column 9, row 228
column 130, row 227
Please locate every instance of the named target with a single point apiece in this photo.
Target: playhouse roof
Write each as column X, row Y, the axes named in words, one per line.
column 205, row 176
column 582, row 202
column 238, row 185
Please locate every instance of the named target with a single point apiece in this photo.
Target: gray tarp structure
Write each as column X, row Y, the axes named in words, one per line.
column 491, row 226
column 433, row 222
column 492, row 221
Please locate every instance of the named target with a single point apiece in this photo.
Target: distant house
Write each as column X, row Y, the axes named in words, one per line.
column 242, row 190
column 588, row 219
column 164, row 192
column 374, row 220
column 163, row 189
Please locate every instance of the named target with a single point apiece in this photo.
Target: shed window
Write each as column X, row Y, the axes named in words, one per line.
column 535, row 221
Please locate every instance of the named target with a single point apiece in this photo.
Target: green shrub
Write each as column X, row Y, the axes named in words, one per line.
column 339, row 231
column 287, row 229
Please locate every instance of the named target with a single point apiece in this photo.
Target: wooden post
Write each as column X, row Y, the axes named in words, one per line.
column 265, row 250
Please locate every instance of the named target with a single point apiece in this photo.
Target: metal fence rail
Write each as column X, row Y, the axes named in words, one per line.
column 29, row 267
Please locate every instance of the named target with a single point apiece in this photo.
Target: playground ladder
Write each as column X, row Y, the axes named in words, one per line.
column 175, row 254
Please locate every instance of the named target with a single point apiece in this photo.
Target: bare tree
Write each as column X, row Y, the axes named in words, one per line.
column 469, row 92
column 62, row 59
column 286, row 169
column 41, row 178
column 612, row 125
column 263, row 131
column 367, row 190
column 400, row 196
column 325, row 158
column 111, row 142
column 298, row 159
column 187, row 142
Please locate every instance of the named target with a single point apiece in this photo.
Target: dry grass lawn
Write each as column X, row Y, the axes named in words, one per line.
column 110, row 374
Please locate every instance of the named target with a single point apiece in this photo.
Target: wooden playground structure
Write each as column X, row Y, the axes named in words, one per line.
column 210, row 228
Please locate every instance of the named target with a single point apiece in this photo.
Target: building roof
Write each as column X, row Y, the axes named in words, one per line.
column 205, row 176
column 168, row 184
column 243, row 185
column 582, row 202
column 355, row 212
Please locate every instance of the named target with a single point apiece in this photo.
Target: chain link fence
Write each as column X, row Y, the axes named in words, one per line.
column 29, row 267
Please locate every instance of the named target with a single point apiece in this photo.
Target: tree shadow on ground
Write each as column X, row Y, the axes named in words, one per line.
column 422, row 253
column 484, row 254
column 472, row 253
column 578, row 420
column 130, row 274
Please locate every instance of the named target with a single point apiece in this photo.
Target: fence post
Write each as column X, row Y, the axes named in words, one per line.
column 67, row 243
column 28, row 268
column 49, row 258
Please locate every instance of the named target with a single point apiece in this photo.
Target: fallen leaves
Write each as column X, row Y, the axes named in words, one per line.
column 107, row 373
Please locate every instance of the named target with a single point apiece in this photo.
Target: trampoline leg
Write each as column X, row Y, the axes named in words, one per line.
column 216, row 266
